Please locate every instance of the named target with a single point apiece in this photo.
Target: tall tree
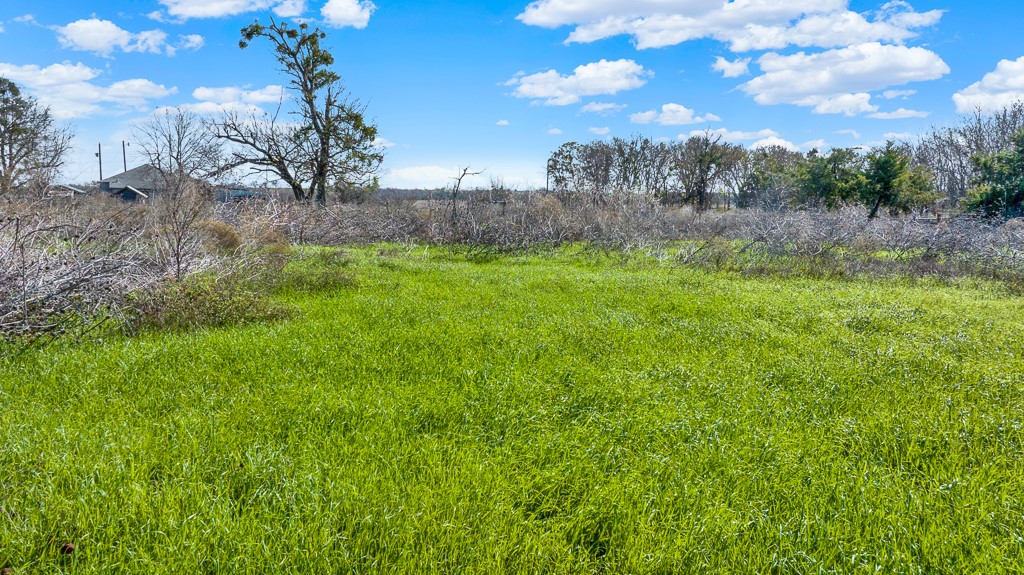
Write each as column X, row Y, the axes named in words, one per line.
column 32, row 146
column 771, row 178
column 176, row 141
column 330, row 145
column 999, row 186
column 891, row 181
column 948, row 152
column 699, row 164
column 831, row 180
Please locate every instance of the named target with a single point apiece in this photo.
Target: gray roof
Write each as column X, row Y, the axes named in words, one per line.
column 144, row 177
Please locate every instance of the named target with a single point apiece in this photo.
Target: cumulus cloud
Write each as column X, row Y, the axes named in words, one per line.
column 839, row 81
column 354, row 13
column 731, row 69
column 290, row 8
column 852, row 133
column 502, row 123
column 900, row 114
column 672, row 115
column 68, row 89
column 845, row 104
column 998, row 89
column 184, row 9
column 104, row 37
column 734, row 136
column 555, row 132
column 899, row 136
column 775, row 141
column 267, row 95
column 894, row 94
column 743, row 24
column 190, row 42
column 600, row 131
column 603, row 108
column 233, row 99
column 595, row 79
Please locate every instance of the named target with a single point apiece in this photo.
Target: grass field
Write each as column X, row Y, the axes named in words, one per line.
column 562, row 414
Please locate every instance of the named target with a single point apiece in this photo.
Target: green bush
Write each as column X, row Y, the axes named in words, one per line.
column 202, row 302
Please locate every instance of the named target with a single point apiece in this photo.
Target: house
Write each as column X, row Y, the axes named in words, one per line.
column 136, row 184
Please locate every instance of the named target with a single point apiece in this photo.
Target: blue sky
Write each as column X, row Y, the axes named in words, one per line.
column 499, row 85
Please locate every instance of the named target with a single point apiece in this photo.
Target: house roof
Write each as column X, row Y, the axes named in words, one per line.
column 144, row 177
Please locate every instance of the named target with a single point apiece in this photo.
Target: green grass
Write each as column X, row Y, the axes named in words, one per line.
column 565, row 414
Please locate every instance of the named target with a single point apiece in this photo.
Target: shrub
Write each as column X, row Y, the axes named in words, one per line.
column 203, row 301
column 223, row 237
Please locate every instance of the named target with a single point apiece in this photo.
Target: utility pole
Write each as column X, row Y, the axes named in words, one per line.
column 124, row 154
column 99, row 154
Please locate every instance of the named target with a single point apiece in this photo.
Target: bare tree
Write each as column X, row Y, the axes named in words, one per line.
column 947, row 152
column 175, row 216
column 330, row 143
column 178, row 142
column 32, row 146
column 456, row 187
column 699, row 164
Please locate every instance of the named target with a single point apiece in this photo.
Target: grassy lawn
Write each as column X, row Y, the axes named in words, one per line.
column 533, row 415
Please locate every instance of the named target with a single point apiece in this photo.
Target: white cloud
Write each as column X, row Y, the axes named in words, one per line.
column 818, row 144
column 743, row 24
column 899, row 136
column 600, row 131
column 775, row 141
column 214, row 101
column 555, row 132
column 190, row 42
column 731, row 135
column 383, row 143
column 839, row 81
column 998, row 89
column 267, row 95
column 731, row 69
column 852, row 133
column 603, row 108
column 158, row 16
column 94, row 35
column 70, row 93
column 185, row 9
column 672, row 115
column 290, row 8
column 845, row 104
column 893, row 94
column 594, row 79
column 181, row 10
column 900, row 114
column 502, row 123
column 103, row 37
column 354, row 13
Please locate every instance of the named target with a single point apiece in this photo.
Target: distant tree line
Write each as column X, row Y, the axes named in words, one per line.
column 977, row 164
